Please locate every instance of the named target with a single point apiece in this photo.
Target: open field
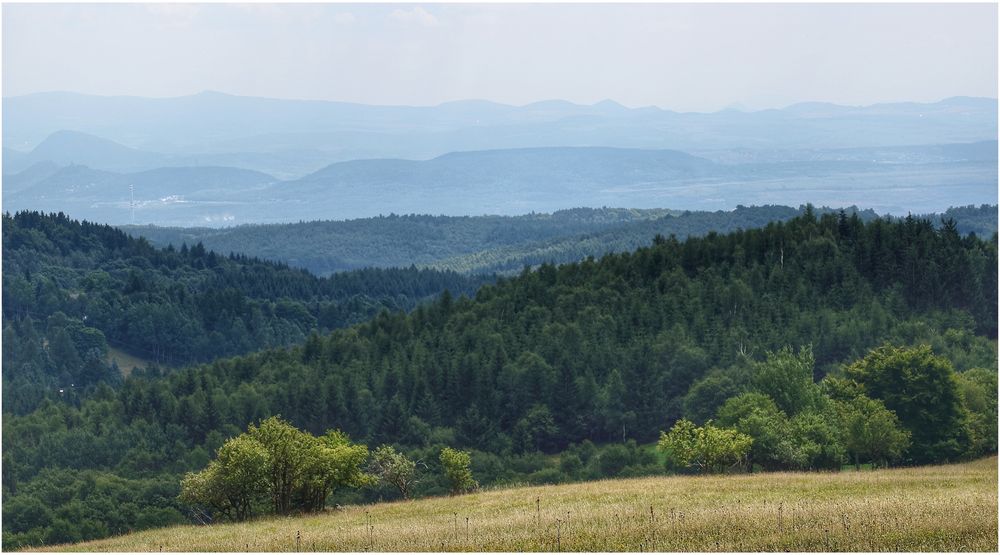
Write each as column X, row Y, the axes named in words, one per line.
column 126, row 362
column 936, row 508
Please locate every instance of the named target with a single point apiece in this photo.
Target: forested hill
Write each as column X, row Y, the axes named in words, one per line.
column 72, row 289
column 599, row 344
column 493, row 244
column 324, row 247
column 601, row 350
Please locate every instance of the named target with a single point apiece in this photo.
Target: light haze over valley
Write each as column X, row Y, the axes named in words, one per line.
column 711, row 117
column 499, row 277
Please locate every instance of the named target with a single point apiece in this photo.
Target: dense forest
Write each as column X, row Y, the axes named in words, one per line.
column 493, row 244
column 72, row 289
column 324, row 247
column 786, row 333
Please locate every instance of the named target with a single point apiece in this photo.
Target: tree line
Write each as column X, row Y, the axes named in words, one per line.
column 496, row 244
column 275, row 468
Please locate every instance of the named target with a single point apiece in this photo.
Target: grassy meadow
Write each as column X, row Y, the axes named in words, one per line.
column 933, row 508
column 127, row 362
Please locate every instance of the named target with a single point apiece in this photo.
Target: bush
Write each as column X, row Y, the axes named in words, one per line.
column 547, row 476
column 706, row 449
column 456, row 469
column 570, row 464
column 613, row 459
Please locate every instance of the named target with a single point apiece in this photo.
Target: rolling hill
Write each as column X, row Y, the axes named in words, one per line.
column 169, row 306
column 491, row 244
column 324, row 247
column 72, row 147
column 518, row 181
column 529, row 374
column 909, row 509
column 200, row 194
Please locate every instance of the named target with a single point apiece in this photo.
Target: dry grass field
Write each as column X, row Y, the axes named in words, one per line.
column 935, row 508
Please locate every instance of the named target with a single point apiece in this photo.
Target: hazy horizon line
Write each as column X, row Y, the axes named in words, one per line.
column 735, row 106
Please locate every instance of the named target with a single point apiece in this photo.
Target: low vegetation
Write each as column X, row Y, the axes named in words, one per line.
column 933, row 508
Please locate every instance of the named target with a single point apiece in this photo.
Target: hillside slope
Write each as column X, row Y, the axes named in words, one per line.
column 935, row 508
column 488, row 244
column 536, row 365
column 105, row 289
column 324, row 247
column 72, row 147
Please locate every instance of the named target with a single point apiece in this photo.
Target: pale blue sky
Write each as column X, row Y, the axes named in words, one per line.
column 676, row 56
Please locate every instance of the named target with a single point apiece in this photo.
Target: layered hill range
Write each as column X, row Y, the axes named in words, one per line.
column 501, row 245
column 214, row 159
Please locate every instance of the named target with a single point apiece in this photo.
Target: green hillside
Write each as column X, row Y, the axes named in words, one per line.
column 324, row 247
column 493, row 244
column 562, row 373
column 936, row 508
column 73, row 290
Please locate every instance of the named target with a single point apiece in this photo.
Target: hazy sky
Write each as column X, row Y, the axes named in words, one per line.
column 676, row 56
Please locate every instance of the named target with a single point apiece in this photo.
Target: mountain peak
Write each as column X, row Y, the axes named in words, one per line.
column 64, row 137
column 211, row 93
column 608, row 104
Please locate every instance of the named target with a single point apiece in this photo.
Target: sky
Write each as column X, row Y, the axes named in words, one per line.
column 703, row 57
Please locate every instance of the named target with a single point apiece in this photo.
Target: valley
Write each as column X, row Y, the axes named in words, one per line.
column 525, row 277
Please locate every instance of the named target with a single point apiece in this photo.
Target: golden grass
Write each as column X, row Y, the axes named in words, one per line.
column 934, row 508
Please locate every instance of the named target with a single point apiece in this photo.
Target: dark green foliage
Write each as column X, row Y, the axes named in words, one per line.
column 872, row 432
column 706, row 395
column 325, row 247
column 611, row 351
column 500, row 244
column 981, row 220
column 60, row 505
column 275, row 468
column 923, row 390
column 787, row 378
column 92, row 285
column 815, row 436
column 978, row 387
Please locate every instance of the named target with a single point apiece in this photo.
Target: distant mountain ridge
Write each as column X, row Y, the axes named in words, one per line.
column 73, row 147
column 896, row 180
column 291, row 138
column 522, row 169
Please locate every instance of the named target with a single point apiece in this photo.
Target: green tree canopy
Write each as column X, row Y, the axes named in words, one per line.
column 922, row 389
column 706, row 448
column 394, row 468
column 978, row 387
column 787, row 378
column 757, row 416
column 276, row 463
column 457, row 470
column 234, row 483
column 872, row 433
